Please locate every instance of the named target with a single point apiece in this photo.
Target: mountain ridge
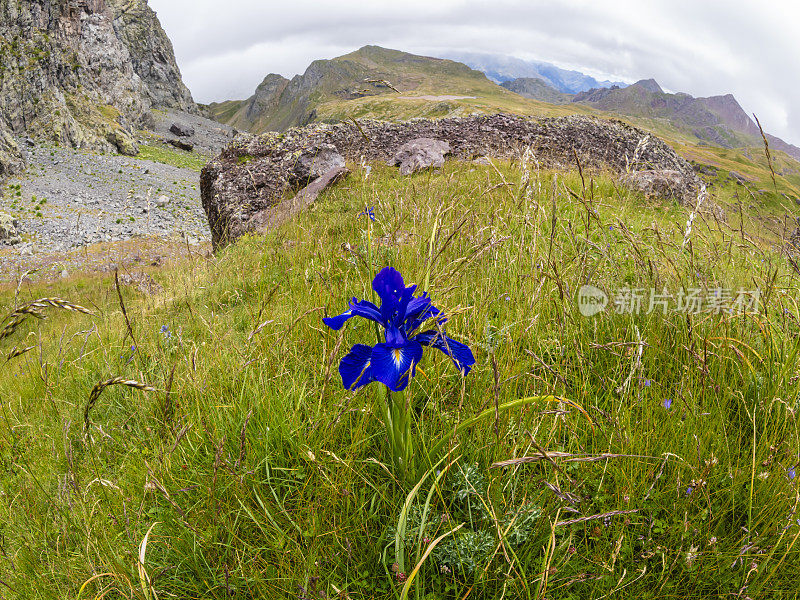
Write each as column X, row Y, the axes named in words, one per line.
column 279, row 103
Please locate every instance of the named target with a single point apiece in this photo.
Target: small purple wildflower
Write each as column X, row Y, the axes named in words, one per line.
column 647, row 383
column 689, row 490
column 369, row 211
column 791, row 473
column 667, row 403
column 166, row 332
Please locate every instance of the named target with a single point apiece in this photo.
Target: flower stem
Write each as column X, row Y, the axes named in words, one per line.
column 401, row 441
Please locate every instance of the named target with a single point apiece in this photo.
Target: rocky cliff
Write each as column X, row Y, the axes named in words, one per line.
column 84, row 73
column 138, row 27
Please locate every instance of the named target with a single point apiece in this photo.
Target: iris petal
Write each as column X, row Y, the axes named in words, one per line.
column 394, row 367
column 355, row 367
column 389, row 285
column 460, row 353
column 420, row 310
column 366, row 309
column 337, row 322
column 358, row 308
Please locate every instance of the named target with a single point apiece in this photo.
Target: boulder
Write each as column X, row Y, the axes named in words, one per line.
column 123, row 142
column 661, row 183
column 315, row 161
column 148, row 121
column 420, row 154
column 8, row 229
column 256, row 172
column 739, row 179
column 181, row 130
column 181, row 145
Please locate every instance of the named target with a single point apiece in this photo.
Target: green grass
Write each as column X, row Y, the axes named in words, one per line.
column 258, row 476
column 175, row 158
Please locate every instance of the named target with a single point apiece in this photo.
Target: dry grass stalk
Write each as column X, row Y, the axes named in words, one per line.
column 34, row 309
column 767, row 153
column 613, row 513
column 567, row 456
column 18, row 352
column 98, row 389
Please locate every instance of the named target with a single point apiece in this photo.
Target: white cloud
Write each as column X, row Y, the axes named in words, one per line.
column 700, row 47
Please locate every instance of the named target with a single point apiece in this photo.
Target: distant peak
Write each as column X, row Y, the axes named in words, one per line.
column 651, row 85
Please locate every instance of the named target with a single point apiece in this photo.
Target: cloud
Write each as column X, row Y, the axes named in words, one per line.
column 703, row 48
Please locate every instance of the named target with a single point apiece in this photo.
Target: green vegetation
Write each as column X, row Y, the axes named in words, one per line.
column 176, row 158
column 658, row 462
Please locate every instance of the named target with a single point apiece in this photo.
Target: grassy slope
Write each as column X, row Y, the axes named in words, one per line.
column 261, row 477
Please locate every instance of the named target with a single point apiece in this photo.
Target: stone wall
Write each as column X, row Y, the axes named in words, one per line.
column 256, row 172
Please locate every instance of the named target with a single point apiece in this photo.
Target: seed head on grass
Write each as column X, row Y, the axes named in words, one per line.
column 34, row 309
column 98, row 389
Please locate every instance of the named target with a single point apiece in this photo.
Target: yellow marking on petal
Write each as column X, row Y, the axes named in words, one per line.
column 398, row 356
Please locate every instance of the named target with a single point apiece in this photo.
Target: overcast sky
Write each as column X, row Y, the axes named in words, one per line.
column 703, row 47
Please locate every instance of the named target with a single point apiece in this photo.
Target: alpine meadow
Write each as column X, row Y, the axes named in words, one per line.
column 398, row 327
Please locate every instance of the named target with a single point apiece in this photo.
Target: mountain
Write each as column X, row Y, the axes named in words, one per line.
column 502, row 68
column 371, row 71
column 718, row 120
column 84, row 73
column 537, row 89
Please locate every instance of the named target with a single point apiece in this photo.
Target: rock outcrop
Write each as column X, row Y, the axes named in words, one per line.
column 11, row 158
column 84, row 73
column 255, row 172
column 420, row 154
column 655, row 183
column 153, row 57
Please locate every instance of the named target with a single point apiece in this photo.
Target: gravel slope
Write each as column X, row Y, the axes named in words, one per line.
column 68, row 201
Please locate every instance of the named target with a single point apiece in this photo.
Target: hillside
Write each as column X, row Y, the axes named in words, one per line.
column 717, row 120
column 279, row 103
column 654, row 443
column 537, row 89
column 355, row 86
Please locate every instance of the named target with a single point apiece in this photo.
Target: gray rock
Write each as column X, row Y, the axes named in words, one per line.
column 739, row 179
column 180, row 144
column 270, row 218
column 8, row 227
column 11, row 158
column 315, row 162
column 123, row 142
column 81, row 68
column 64, row 274
column 148, row 121
column 182, row 130
column 420, row 154
column 662, row 183
column 162, row 201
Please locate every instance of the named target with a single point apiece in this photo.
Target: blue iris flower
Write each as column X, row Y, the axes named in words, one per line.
column 400, row 314
column 369, row 211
